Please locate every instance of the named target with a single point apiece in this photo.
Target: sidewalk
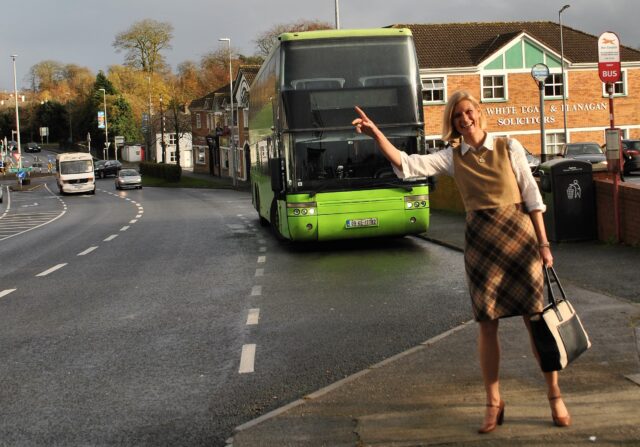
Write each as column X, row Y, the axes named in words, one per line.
column 432, row 394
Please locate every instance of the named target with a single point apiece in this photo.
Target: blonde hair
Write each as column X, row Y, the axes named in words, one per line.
column 449, row 132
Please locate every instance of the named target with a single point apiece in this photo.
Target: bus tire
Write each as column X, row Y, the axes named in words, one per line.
column 275, row 220
column 263, row 222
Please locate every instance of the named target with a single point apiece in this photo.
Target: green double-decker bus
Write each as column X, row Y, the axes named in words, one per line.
column 313, row 177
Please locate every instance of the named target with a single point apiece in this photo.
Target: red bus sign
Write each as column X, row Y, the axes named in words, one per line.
column 609, row 57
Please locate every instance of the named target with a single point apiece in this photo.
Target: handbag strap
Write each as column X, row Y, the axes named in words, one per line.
column 548, row 271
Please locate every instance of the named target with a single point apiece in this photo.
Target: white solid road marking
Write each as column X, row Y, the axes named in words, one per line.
column 87, row 251
column 253, row 317
column 110, row 238
column 8, row 291
column 256, row 291
column 247, row 359
column 262, row 259
column 52, row 269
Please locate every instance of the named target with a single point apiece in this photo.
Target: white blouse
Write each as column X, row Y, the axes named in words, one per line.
column 441, row 162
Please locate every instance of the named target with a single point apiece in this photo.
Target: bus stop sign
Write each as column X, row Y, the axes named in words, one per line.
column 609, row 57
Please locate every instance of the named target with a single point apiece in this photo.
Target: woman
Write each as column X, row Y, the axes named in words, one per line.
column 505, row 238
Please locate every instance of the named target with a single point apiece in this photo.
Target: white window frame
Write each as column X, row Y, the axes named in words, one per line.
column 504, row 86
column 557, row 140
column 429, row 85
column 554, row 85
column 434, row 145
column 172, row 139
column 622, row 85
column 201, row 155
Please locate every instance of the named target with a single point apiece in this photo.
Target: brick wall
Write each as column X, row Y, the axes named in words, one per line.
column 587, row 107
column 629, row 211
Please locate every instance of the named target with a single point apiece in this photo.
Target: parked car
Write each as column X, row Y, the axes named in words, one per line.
column 631, row 155
column 590, row 152
column 128, row 178
column 104, row 168
column 533, row 160
column 32, row 147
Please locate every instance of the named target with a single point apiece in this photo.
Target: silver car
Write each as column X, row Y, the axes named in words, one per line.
column 128, row 178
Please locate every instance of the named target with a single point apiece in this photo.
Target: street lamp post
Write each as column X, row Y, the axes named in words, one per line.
column 564, row 94
column 15, row 91
column 337, row 14
column 162, row 143
column 106, row 126
column 232, row 141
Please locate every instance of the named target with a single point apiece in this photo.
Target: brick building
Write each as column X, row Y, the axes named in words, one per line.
column 494, row 60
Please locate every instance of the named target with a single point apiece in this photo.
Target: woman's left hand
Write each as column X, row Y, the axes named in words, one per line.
column 547, row 257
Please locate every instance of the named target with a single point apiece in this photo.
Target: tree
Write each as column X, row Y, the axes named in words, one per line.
column 143, row 43
column 265, row 40
column 44, row 75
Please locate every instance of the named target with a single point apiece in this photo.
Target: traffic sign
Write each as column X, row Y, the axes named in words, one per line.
column 609, row 68
column 540, row 72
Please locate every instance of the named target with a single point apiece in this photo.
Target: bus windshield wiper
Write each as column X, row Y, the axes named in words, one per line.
column 318, row 189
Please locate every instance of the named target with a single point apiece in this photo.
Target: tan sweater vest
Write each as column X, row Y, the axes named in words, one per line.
column 485, row 177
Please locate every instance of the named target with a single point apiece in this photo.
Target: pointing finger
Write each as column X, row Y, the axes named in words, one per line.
column 361, row 113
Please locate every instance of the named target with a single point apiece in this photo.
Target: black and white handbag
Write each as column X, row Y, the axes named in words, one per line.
column 557, row 331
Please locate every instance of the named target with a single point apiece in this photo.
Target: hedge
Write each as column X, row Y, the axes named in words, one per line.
column 168, row 172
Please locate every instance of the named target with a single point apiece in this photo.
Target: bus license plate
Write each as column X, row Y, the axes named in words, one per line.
column 359, row 223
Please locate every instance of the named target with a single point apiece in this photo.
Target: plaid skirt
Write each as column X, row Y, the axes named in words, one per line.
column 503, row 263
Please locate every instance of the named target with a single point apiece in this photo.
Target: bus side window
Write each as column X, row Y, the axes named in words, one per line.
column 317, row 84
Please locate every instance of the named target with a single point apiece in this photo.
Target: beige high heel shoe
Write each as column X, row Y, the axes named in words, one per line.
column 559, row 421
column 491, row 425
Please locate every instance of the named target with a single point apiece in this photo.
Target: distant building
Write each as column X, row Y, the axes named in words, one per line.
column 494, row 60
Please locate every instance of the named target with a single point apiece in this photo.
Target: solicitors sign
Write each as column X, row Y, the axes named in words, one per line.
column 609, row 57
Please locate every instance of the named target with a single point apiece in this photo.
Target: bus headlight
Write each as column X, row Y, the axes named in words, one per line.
column 412, row 202
column 301, row 209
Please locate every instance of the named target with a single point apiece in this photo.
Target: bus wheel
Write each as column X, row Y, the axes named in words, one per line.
column 263, row 222
column 275, row 220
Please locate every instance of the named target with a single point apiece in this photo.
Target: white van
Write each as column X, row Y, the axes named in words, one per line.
column 74, row 173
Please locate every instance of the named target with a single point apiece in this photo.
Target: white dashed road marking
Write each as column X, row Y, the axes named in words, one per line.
column 256, row 291
column 247, row 359
column 52, row 269
column 125, row 228
column 110, row 238
column 259, row 272
column 8, row 291
column 262, row 259
column 87, row 251
column 253, row 317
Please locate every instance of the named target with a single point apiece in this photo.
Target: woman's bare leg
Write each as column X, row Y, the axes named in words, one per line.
column 489, row 353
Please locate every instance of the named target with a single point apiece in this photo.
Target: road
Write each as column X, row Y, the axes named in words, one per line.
column 169, row 316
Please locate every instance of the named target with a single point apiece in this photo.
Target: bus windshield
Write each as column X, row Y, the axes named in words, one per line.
column 339, row 160
column 323, row 81
column 75, row 167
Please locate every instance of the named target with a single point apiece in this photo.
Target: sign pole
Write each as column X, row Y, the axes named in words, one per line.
column 609, row 70
column 540, row 72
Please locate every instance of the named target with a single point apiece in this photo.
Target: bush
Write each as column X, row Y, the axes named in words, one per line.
column 168, row 172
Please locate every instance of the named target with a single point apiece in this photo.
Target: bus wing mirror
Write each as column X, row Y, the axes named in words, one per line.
column 275, row 167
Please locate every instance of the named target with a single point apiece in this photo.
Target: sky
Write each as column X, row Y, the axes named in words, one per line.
column 82, row 32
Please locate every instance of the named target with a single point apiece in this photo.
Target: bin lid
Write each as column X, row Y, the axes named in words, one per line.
column 561, row 165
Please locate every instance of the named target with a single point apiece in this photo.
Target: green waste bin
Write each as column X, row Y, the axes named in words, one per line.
column 569, row 193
